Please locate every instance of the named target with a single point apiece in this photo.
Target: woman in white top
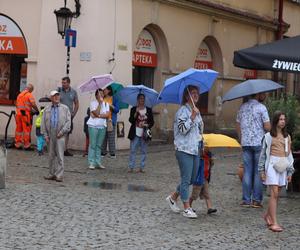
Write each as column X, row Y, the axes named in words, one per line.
column 97, row 129
column 276, row 148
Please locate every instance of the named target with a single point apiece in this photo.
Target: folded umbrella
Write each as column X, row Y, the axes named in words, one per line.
column 219, row 140
column 174, row 87
column 250, row 87
column 129, row 95
column 96, row 82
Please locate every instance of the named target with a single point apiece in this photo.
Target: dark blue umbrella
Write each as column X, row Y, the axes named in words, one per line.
column 250, row 87
column 173, row 90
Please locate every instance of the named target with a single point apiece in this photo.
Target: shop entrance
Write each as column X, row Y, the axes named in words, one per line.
column 13, row 51
column 144, row 60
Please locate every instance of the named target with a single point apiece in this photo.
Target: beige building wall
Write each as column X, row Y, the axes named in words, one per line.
column 185, row 29
column 102, row 28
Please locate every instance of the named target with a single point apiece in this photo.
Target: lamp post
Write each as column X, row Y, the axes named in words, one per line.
column 64, row 19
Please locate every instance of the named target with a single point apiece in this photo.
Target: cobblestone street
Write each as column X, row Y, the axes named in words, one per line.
column 113, row 209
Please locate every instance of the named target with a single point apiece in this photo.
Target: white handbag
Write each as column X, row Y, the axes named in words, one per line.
column 283, row 163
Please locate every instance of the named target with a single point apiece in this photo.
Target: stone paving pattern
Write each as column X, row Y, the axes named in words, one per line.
column 39, row 214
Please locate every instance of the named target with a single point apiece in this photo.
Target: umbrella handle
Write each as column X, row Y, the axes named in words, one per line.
column 191, row 98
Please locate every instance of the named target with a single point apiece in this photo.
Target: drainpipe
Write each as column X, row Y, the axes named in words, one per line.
column 279, row 33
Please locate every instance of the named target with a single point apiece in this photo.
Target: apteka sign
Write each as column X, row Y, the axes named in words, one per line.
column 11, row 37
column 145, row 51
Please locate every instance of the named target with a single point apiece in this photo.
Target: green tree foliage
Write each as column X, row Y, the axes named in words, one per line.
column 291, row 107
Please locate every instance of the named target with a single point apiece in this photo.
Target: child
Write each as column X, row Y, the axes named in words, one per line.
column 202, row 190
column 40, row 137
column 276, row 165
column 86, row 131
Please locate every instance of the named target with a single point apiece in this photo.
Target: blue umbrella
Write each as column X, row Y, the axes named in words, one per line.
column 250, row 87
column 173, row 90
column 129, row 95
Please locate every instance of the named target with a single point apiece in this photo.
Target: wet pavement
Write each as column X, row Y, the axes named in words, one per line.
column 110, row 208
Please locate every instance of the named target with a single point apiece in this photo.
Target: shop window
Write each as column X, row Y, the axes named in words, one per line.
column 10, row 77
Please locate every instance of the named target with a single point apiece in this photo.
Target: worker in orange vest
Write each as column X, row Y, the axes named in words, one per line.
column 25, row 104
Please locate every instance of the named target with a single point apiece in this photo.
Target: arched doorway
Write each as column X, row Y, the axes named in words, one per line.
column 150, row 61
column 209, row 56
column 13, row 51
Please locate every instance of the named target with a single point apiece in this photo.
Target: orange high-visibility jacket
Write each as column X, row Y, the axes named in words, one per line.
column 24, row 102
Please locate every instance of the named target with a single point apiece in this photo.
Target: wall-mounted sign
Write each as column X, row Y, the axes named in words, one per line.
column 145, row 51
column 204, row 58
column 120, row 129
column 70, row 38
column 250, row 74
column 11, row 38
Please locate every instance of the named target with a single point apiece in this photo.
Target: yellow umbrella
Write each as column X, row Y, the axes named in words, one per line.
column 219, row 140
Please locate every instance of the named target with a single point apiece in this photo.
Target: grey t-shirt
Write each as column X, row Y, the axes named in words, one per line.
column 68, row 97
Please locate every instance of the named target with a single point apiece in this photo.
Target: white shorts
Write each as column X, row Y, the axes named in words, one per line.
column 272, row 176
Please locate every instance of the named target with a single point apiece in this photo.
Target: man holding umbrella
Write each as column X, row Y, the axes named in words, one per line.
column 252, row 122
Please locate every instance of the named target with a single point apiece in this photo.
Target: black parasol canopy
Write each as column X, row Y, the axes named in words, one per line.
column 282, row 55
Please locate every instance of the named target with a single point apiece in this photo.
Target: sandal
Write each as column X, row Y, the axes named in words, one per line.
column 267, row 219
column 276, row 228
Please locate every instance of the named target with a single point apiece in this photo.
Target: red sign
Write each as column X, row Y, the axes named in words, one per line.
column 144, row 59
column 11, row 37
column 12, row 45
column 250, row 74
column 202, row 65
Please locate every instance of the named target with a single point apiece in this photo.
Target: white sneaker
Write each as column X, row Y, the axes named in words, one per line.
column 91, row 167
column 173, row 205
column 102, row 167
column 189, row 213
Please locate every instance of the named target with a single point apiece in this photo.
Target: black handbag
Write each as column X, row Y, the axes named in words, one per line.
column 147, row 135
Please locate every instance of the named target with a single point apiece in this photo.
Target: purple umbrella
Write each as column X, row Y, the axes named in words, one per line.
column 96, row 82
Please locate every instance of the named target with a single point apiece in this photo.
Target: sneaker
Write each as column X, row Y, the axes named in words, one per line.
column 67, row 153
column 91, row 167
column 173, row 205
column 112, row 156
column 101, row 166
column 256, row 204
column 103, row 155
column 189, row 213
column 211, row 210
column 244, row 204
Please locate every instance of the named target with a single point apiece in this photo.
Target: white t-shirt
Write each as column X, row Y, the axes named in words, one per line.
column 98, row 122
column 141, row 119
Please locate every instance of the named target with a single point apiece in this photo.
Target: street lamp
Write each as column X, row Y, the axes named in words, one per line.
column 64, row 17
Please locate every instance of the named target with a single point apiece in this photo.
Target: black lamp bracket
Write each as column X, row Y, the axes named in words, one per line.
column 77, row 8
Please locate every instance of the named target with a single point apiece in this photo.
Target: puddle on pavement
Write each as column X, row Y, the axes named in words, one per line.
column 139, row 188
column 111, row 186
column 102, row 185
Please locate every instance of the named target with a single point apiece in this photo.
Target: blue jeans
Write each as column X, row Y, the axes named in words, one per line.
column 96, row 136
column 137, row 141
column 188, row 167
column 252, row 184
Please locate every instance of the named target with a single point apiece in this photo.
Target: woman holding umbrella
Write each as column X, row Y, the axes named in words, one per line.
column 141, row 117
column 188, row 130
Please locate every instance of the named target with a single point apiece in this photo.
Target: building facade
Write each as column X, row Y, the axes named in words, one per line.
column 104, row 33
column 140, row 42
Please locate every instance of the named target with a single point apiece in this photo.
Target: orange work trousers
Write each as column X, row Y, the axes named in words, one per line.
column 23, row 130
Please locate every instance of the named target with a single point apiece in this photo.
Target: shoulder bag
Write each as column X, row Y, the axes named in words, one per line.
column 283, row 163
